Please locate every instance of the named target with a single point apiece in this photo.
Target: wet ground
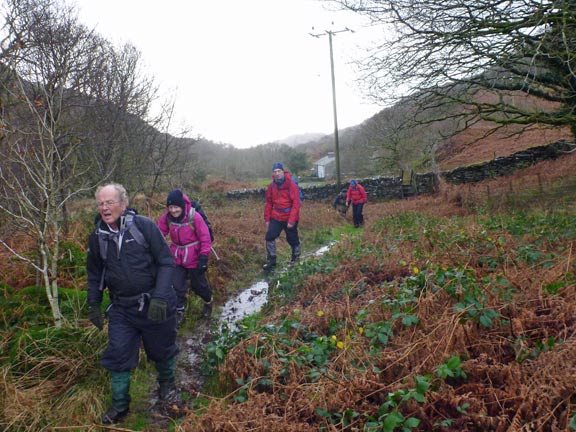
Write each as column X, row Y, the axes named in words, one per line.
column 193, row 341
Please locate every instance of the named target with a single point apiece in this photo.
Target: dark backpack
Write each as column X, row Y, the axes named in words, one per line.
column 197, row 207
column 295, row 179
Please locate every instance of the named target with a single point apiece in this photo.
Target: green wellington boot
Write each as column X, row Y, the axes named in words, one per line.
column 120, row 398
column 166, row 379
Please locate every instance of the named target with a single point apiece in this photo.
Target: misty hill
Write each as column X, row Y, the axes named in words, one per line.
column 388, row 143
column 295, row 140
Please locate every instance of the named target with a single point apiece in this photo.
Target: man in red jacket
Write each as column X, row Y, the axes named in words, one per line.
column 357, row 196
column 281, row 213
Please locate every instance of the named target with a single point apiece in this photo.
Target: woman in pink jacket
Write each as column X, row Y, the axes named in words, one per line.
column 357, row 196
column 190, row 246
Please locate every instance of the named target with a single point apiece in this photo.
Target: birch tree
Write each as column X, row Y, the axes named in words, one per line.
column 74, row 111
column 40, row 145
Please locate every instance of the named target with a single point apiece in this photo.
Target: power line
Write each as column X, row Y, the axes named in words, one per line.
column 330, row 33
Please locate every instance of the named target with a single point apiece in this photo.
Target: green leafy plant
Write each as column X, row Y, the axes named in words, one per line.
column 389, row 416
column 343, row 419
column 451, row 368
column 573, row 421
column 525, row 352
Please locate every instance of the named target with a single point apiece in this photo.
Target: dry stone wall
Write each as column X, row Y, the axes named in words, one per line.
column 383, row 188
column 502, row 166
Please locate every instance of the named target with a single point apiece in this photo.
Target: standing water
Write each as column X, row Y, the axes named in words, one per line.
column 253, row 299
column 247, row 302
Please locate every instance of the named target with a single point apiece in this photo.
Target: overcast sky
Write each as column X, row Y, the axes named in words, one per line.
column 244, row 72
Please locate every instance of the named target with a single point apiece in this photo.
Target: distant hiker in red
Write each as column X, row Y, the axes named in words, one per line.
column 281, row 213
column 357, row 196
column 190, row 247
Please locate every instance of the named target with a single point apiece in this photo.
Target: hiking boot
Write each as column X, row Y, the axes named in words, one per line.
column 296, row 251
column 114, row 416
column 166, row 390
column 207, row 310
column 270, row 256
column 270, row 264
column 180, row 317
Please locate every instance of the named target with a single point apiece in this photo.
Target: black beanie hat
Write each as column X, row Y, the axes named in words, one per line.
column 175, row 198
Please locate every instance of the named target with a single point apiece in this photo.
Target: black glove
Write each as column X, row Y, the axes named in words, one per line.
column 203, row 263
column 157, row 310
column 95, row 316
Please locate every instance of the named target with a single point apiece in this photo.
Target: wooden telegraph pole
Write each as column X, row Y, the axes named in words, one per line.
column 330, row 33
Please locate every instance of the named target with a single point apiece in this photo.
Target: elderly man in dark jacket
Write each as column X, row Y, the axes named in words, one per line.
column 129, row 255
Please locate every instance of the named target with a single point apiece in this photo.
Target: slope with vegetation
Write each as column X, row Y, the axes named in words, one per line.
column 451, row 312
column 446, row 313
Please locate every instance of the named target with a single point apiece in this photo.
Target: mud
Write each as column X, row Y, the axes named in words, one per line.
column 192, row 341
column 189, row 377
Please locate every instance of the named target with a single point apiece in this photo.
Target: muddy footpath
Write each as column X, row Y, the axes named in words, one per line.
column 193, row 341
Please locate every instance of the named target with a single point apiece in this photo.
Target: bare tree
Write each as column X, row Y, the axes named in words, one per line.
column 163, row 157
column 74, row 110
column 40, row 147
column 399, row 143
column 480, row 53
column 389, row 144
column 117, row 97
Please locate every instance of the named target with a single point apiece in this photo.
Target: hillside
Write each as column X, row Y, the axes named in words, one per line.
column 384, row 144
column 451, row 313
column 454, row 309
column 295, row 140
column 381, row 136
column 473, row 146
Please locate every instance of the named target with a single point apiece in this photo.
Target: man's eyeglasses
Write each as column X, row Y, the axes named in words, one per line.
column 108, row 203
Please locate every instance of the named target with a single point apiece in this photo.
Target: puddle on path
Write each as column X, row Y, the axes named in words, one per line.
column 192, row 342
column 323, row 249
column 254, row 298
column 246, row 303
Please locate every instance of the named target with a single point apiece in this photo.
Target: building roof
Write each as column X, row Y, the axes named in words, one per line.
column 325, row 160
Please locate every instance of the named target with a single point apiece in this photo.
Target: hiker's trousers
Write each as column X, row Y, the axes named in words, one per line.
column 129, row 326
column 276, row 227
column 198, row 284
column 357, row 214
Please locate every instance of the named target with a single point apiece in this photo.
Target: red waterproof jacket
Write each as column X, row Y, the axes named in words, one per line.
column 283, row 202
column 356, row 194
column 189, row 240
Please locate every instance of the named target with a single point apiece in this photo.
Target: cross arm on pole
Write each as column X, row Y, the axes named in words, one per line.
column 330, row 33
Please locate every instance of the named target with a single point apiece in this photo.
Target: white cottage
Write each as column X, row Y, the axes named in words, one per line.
column 325, row 168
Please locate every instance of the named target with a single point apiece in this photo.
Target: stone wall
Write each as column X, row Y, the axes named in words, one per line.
column 502, row 166
column 382, row 188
